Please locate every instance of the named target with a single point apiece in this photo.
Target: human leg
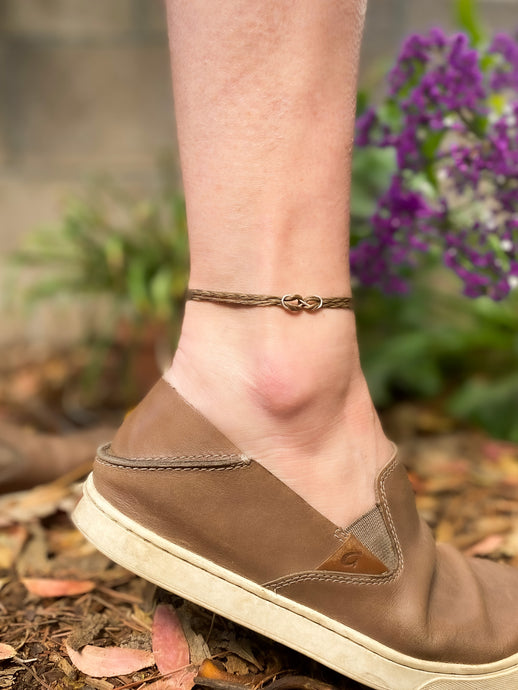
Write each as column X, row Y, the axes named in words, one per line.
column 265, row 103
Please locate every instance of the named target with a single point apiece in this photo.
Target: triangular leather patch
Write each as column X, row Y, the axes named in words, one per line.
column 353, row 557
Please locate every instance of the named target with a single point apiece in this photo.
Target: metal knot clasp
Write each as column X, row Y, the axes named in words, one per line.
column 295, row 303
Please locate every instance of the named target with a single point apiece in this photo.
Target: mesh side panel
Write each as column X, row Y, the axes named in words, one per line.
column 507, row 681
column 370, row 530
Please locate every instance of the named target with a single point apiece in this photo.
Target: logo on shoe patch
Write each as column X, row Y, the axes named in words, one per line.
column 350, row 560
column 353, row 557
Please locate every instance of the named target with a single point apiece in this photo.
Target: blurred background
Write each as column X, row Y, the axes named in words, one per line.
column 88, row 149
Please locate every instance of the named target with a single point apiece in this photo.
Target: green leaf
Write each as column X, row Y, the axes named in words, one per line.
column 161, row 292
column 467, row 18
column 425, row 184
column 390, row 114
column 372, row 170
column 362, row 102
column 431, row 144
column 114, row 252
column 491, row 404
column 479, row 124
column 497, row 102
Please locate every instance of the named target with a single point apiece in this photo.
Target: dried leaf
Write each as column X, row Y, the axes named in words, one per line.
column 510, row 544
column 241, row 647
column 34, row 559
column 39, row 502
column 100, row 662
column 87, row 630
column 60, row 662
column 12, row 540
column 180, row 680
column 169, row 644
column 486, row 545
column 6, row 651
column 70, row 541
column 164, row 684
column 46, row 587
column 99, row 684
column 236, row 666
column 211, row 669
column 215, row 671
column 198, row 648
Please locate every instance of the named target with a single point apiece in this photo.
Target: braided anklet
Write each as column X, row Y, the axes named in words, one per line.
column 292, row 303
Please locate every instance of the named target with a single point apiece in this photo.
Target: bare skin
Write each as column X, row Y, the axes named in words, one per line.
column 265, row 100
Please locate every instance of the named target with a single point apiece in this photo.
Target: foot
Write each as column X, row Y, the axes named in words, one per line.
column 288, row 390
column 173, row 500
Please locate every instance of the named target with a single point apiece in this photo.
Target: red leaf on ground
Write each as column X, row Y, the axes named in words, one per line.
column 486, row 545
column 6, row 651
column 168, row 640
column 46, row 587
column 182, row 679
column 101, row 662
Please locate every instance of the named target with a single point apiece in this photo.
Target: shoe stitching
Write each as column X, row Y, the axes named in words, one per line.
column 204, row 456
column 196, row 468
column 104, row 455
column 227, row 456
column 275, row 585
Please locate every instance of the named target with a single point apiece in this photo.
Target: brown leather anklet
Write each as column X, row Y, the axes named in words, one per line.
column 292, row 303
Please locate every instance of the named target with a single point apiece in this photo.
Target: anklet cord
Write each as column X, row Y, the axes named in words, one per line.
column 292, row 303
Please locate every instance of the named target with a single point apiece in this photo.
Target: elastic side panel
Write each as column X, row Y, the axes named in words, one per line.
column 371, row 531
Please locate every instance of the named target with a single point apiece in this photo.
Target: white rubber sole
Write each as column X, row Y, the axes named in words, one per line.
column 201, row 581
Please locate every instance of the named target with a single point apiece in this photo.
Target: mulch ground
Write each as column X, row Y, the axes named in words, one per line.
column 65, row 607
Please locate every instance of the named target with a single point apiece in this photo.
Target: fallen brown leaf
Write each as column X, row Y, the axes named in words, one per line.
column 46, row 587
column 100, row 662
column 12, row 540
column 6, row 651
column 486, row 545
column 168, row 640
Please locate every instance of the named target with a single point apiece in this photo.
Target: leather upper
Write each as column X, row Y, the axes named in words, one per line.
column 170, row 470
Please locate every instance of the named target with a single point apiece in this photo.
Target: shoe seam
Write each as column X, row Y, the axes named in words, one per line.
column 196, row 468
column 312, row 576
column 106, row 458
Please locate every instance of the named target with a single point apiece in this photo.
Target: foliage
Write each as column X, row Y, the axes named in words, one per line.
column 450, row 119
column 434, row 343
column 108, row 244
column 427, row 340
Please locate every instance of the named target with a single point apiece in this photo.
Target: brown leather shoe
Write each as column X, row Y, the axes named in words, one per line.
column 174, row 501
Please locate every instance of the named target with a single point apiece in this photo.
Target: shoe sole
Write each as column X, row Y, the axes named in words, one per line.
column 203, row 582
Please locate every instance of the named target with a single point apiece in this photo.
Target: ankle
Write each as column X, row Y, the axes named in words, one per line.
column 282, row 364
column 297, row 375
column 290, row 393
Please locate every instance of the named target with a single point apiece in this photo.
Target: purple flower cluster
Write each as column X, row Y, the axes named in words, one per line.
column 438, row 119
column 374, row 259
column 504, row 75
